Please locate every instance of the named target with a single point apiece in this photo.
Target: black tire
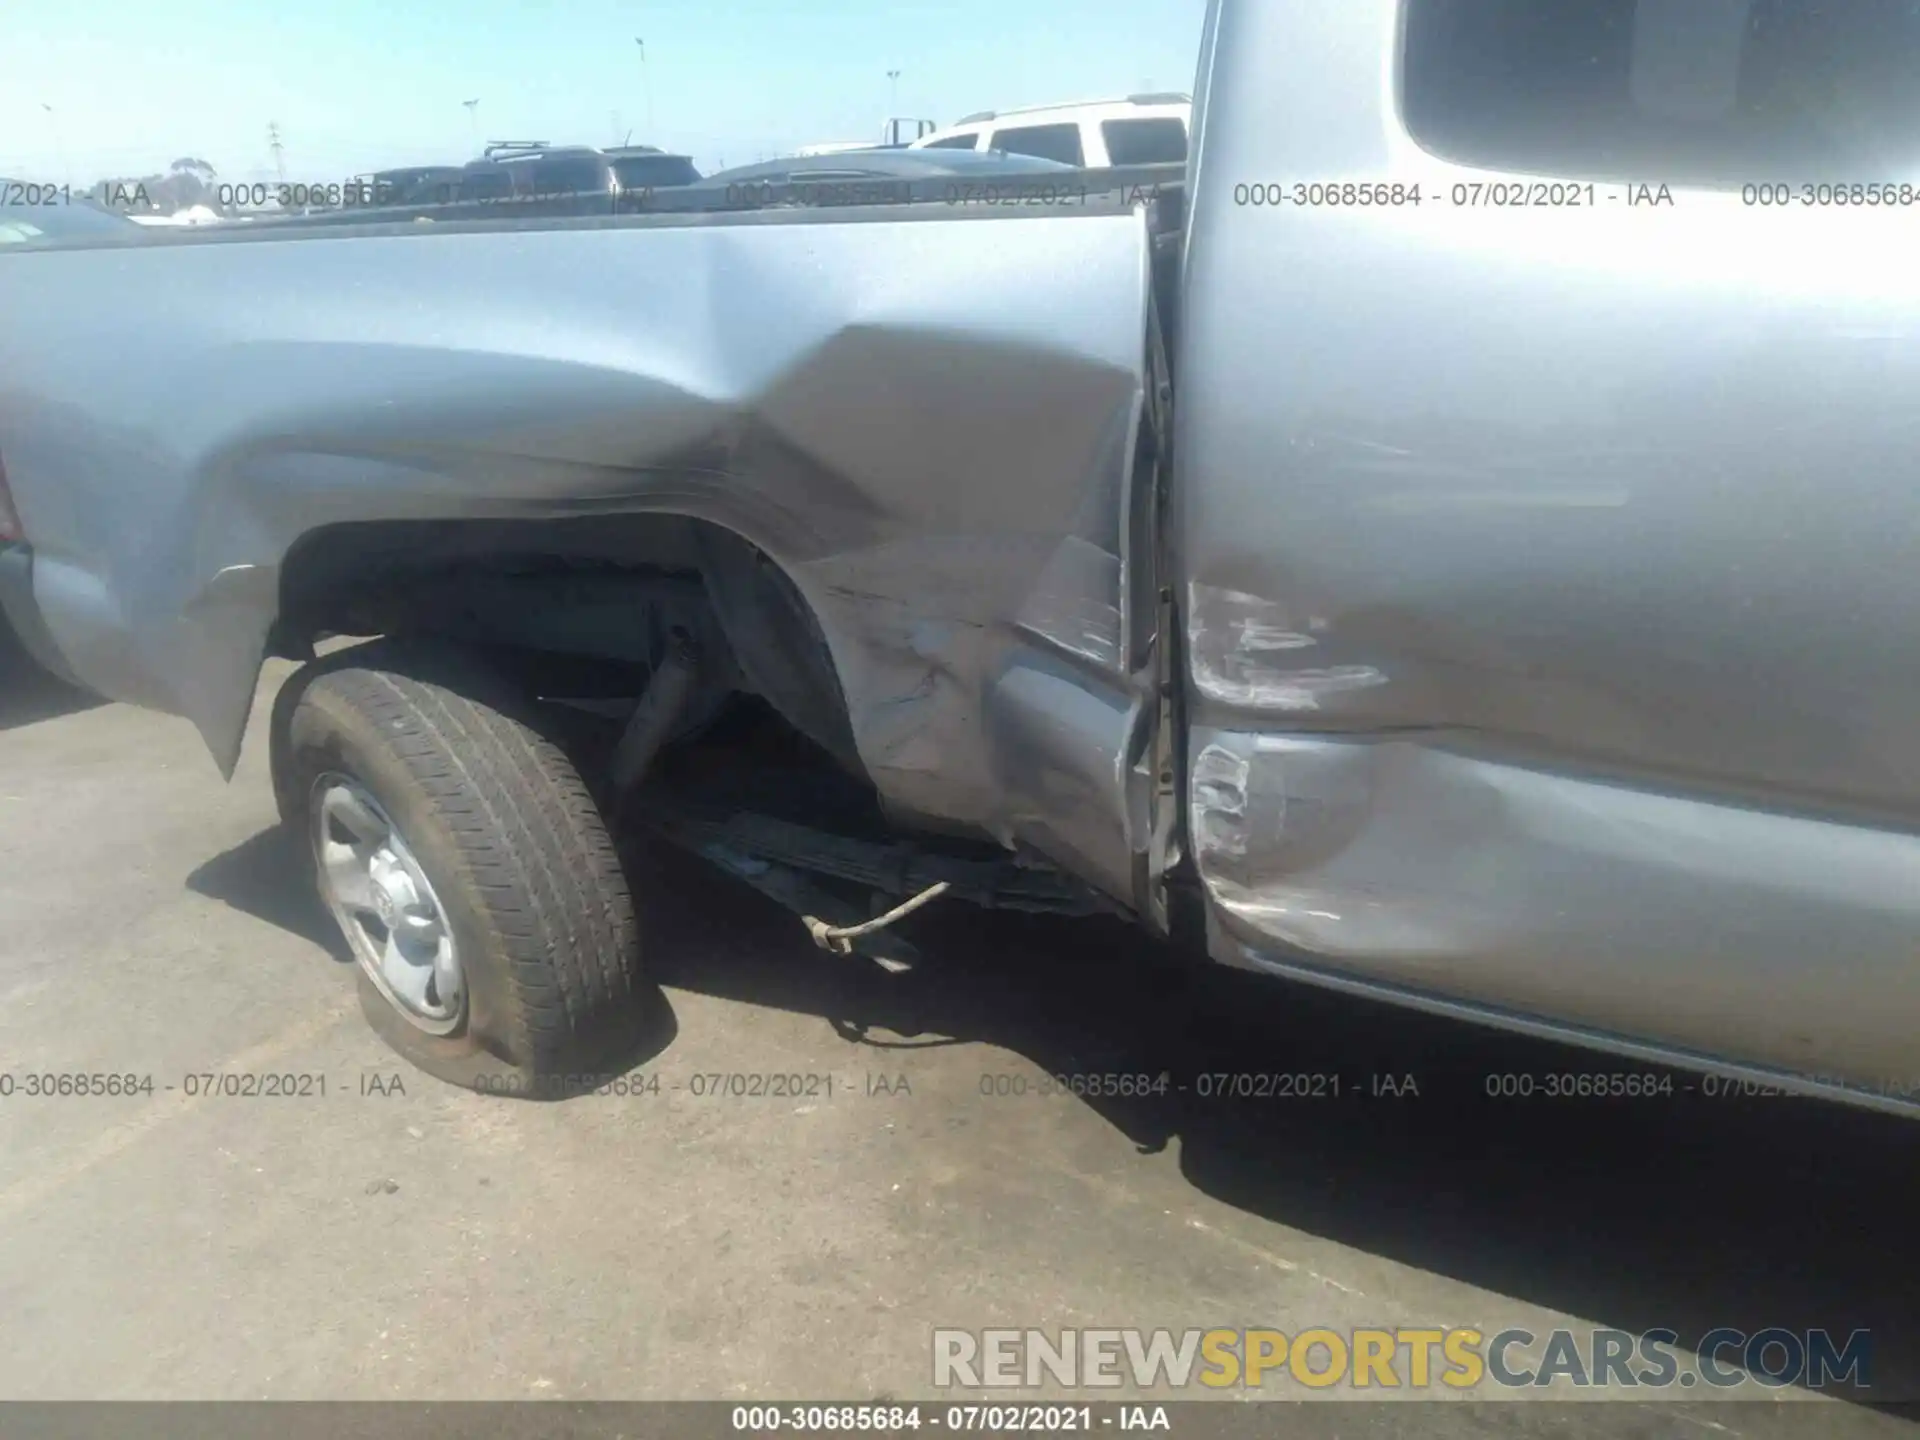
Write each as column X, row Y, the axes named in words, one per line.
column 515, row 847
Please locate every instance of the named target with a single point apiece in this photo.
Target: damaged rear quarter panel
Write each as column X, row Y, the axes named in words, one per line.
column 927, row 423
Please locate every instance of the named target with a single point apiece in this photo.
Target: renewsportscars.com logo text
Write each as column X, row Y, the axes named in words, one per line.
column 1401, row 1359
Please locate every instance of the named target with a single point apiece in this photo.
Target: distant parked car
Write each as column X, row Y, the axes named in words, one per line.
column 1139, row 130
column 538, row 173
column 908, row 164
column 645, row 167
column 409, row 185
column 541, row 171
column 893, row 136
column 31, row 212
column 186, row 215
column 834, row 147
column 867, row 177
column 477, row 180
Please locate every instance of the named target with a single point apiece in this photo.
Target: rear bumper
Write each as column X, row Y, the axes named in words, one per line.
column 23, row 611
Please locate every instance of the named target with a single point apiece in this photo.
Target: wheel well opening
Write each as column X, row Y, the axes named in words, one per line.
column 582, row 605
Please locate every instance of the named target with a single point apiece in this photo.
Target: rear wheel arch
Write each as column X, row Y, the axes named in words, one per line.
column 347, row 579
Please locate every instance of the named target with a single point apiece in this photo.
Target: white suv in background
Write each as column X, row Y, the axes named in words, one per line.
column 1139, row 130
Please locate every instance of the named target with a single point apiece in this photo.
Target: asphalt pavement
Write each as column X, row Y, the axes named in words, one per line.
column 394, row 1238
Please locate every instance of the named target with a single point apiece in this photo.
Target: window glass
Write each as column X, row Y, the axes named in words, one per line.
column 573, row 175
column 485, row 184
column 1048, row 142
column 639, row 171
column 1145, row 142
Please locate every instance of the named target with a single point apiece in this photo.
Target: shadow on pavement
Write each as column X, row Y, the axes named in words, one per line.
column 266, row 877
column 28, row 693
column 1671, row 1211
column 1678, row 1211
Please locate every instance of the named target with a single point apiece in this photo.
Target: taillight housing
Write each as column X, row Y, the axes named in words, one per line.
column 9, row 517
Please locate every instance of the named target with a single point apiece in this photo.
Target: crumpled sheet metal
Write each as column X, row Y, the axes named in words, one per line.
column 929, row 424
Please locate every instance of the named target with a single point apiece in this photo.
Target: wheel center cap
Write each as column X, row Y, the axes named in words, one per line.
column 392, row 890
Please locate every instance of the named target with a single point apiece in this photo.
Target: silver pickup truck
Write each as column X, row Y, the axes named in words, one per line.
column 1456, row 544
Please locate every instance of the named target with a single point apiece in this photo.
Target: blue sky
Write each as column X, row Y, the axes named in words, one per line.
column 355, row 85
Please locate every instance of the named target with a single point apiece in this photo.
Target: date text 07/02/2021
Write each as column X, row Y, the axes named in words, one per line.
column 893, row 1419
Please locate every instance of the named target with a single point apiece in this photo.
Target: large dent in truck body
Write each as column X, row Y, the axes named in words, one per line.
column 928, row 425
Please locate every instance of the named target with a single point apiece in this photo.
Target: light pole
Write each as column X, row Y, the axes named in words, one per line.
column 646, row 84
column 893, row 99
column 473, row 121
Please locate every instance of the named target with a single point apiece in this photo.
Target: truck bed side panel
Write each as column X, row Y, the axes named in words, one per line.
column 929, row 424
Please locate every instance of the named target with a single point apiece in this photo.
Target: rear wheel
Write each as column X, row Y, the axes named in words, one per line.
column 467, row 865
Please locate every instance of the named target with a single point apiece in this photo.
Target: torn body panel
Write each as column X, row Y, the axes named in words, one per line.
column 927, row 425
